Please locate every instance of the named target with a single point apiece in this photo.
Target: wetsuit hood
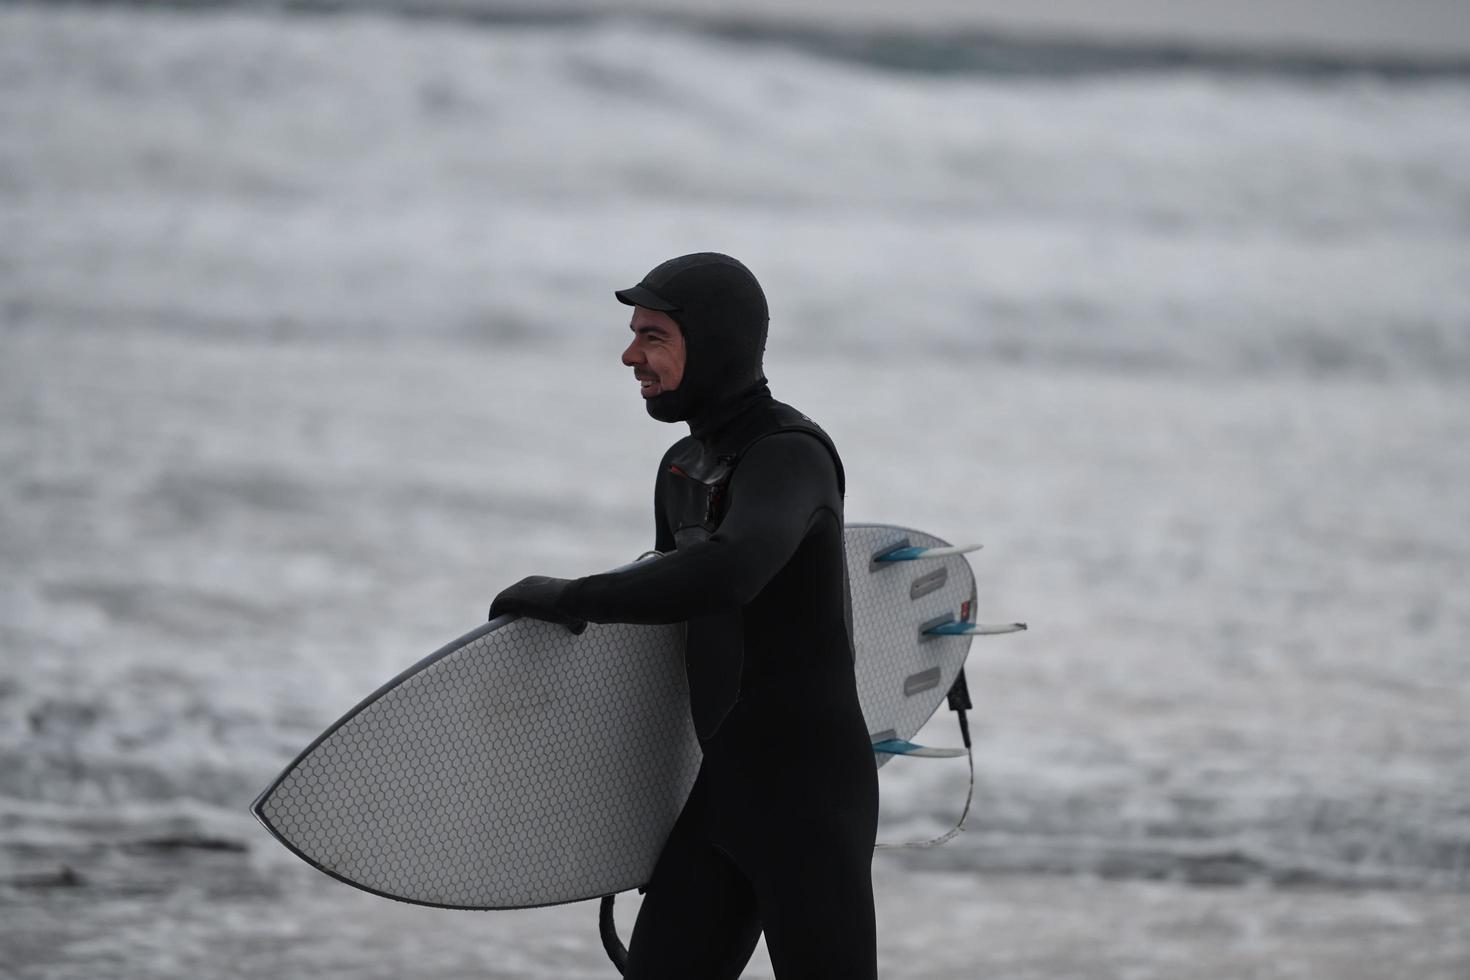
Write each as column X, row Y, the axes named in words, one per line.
column 721, row 310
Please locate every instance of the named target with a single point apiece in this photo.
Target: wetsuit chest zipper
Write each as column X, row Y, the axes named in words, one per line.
column 715, row 494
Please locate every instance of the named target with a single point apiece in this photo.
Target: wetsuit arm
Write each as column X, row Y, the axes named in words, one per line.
column 780, row 486
column 663, row 535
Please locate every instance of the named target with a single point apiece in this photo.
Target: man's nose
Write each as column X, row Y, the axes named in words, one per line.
column 632, row 357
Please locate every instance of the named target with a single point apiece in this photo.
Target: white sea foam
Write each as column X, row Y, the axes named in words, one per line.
column 363, row 176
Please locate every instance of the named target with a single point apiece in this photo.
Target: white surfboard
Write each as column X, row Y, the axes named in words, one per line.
column 523, row 765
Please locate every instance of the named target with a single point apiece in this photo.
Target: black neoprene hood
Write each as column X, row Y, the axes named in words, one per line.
column 721, row 310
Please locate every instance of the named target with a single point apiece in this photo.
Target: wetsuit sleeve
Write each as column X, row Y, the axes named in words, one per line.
column 783, row 483
column 663, row 535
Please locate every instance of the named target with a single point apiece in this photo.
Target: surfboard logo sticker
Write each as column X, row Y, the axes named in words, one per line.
column 930, row 582
column 924, row 680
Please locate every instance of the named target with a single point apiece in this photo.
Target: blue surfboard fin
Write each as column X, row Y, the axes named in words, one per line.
column 959, row 627
column 910, row 553
column 900, row 746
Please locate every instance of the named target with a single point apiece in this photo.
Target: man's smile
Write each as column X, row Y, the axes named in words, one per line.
column 650, row 384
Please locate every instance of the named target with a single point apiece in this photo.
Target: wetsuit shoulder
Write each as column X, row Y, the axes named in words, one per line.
column 780, row 417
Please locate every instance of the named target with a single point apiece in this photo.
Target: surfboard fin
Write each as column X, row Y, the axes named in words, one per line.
column 958, row 627
column 900, row 746
column 906, row 552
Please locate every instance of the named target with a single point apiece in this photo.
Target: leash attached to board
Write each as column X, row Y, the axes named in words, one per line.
column 608, row 928
column 959, row 703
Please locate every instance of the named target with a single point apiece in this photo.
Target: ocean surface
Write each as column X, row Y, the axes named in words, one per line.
column 307, row 348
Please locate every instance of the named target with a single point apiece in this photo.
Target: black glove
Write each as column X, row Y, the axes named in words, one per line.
column 536, row 596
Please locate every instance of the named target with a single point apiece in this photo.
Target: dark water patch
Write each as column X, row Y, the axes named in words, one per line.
column 1222, row 866
column 500, row 503
column 195, row 499
column 142, row 873
column 179, row 843
column 62, row 877
column 1364, row 838
column 930, row 51
column 114, row 855
column 200, row 322
column 1309, row 353
column 975, row 52
column 55, row 718
column 70, row 492
column 87, row 835
column 68, row 772
column 173, row 610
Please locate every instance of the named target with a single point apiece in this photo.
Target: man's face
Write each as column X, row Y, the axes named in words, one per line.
column 656, row 354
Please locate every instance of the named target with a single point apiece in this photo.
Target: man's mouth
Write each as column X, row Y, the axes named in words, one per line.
column 648, row 385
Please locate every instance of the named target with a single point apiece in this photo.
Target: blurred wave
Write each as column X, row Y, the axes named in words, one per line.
column 282, row 176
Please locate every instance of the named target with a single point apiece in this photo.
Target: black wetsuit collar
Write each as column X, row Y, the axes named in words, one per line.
column 709, row 423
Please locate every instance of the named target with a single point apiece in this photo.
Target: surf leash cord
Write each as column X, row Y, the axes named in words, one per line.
column 959, row 703
column 608, row 928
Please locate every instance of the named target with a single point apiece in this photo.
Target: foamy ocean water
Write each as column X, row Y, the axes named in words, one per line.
column 307, row 348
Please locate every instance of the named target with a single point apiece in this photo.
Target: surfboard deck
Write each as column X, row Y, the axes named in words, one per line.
column 522, row 765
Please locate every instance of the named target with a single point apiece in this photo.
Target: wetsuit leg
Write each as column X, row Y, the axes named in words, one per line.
column 698, row 920
column 817, row 911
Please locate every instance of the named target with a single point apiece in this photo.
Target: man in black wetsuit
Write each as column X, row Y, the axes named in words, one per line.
column 777, row 834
